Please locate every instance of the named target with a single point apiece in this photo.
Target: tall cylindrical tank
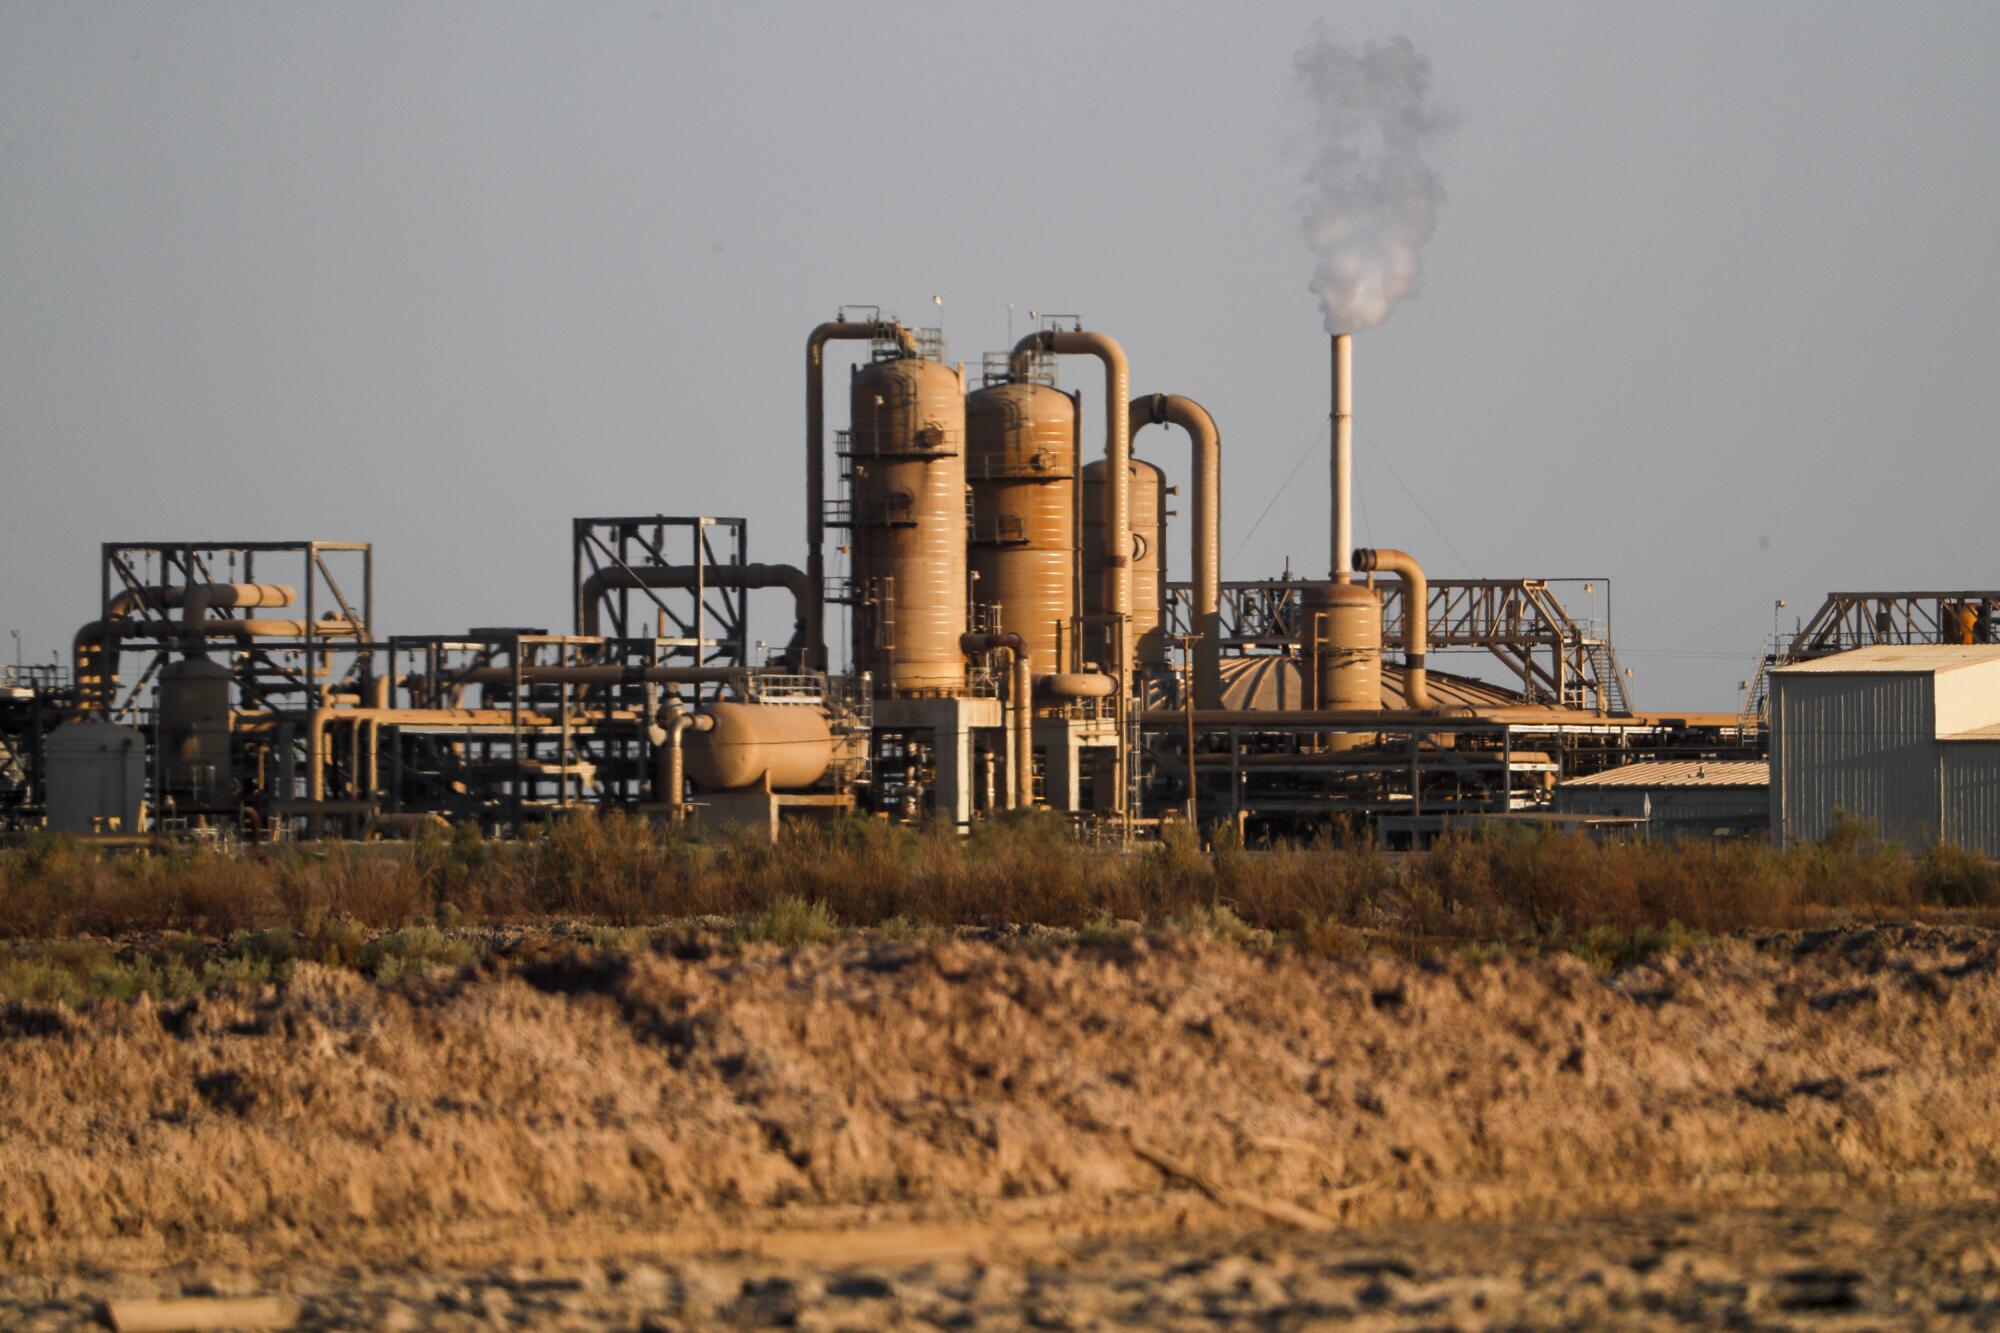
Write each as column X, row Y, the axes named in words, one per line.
column 194, row 731
column 907, row 452
column 1020, row 457
column 792, row 744
column 1340, row 628
column 1148, row 555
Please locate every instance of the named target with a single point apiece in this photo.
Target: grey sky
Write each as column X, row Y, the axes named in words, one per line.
column 1710, row 310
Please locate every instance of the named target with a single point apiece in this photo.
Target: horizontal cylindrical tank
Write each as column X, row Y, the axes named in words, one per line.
column 907, row 452
column 96, row 773
column 1021, row 463
column 194, row 731
column 1148, row 556
column 790, row 743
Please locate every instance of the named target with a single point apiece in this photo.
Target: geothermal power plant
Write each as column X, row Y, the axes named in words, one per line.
column 986, row 617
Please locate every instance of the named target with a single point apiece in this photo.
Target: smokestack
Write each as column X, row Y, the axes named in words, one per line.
column 1343, row 458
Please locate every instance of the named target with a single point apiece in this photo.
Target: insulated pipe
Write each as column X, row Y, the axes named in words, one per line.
column 1021, row 790
column 321, row 718
column 101, row 637
column 1416, row 618
column 1343, row 457
column 806, row 594
column 672, row 768
column 1117, row 459
column 1170, row 409
column 816, row 341
column 602, row 675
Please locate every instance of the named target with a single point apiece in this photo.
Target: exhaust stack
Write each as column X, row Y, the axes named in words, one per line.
column 1343, row 458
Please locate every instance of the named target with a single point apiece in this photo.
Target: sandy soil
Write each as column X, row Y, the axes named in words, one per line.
column 875, row 1133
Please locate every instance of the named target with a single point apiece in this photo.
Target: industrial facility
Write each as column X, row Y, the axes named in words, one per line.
column 986, row 618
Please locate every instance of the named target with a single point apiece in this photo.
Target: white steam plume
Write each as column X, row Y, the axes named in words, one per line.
column 1371, row 198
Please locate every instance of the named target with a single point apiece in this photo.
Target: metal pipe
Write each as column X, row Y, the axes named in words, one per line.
column 1416, row 618
column 806, row 594
column 604, row 675
column 673, row 769
column 1117, row 500
column 816, row 341
column 1117, row 455
column 1171, row 409
column 98, row 641
column 321, row 718
column 1343, row 457
column 1021, row 689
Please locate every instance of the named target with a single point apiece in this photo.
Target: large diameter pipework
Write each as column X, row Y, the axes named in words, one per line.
column 1343, row 457
column 1117, row 457
column 816, row 341
column 1171, row 409
column 802, row 585
column 1416, row 618
column 1021, row 792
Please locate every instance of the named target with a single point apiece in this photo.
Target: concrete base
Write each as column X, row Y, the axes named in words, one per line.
column 1063, row 741
column 951, row 723
column 762, row 812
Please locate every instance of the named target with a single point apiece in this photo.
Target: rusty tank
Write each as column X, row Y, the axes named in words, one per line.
column 1021, row 463
column 906, row 451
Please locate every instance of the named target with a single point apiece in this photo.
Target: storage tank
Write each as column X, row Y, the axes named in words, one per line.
column 1020, row 445
column 907, row 454
column 1149, row 558
column 96, row 777
column 194, row 732
column 792, row 743
column 1340, row 628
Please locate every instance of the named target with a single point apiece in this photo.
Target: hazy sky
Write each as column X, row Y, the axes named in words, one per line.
column 1710, row 310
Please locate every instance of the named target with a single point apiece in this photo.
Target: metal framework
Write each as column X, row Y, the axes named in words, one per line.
column 698, row 626
column 1849, row 620
column 335, row 586
column 1557, row 657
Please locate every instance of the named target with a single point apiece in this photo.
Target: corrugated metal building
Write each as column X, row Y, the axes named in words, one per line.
column 1906, row 738
column 1711, row 796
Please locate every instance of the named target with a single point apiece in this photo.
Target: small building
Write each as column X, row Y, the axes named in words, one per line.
column 1903, row 737
column 1711, row 796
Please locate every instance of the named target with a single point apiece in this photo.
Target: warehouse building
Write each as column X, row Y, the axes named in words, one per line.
column 1904, row 737
column 1713, row 796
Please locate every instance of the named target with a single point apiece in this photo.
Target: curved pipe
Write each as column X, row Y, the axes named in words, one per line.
column 1117, row 460
column 321, row 718
column 1171, row 409
column 100, row 639
column 1021, row 689
column 816, row 341
column 672, row 764
column 1416, row 618
column 805, row 591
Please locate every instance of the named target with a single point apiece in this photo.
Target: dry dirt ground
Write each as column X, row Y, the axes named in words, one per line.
column 1150, row 1134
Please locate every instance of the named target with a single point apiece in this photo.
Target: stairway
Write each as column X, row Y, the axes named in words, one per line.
column 1611, row 693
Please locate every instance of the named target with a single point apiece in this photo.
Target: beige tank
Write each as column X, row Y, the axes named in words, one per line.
column 909, row 536
column 1149, row 557
column 790, row 742
column 1340, row 627
column 1020, row 457
column 194, row 731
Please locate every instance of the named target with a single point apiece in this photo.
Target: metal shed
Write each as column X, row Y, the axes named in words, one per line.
column 1711, row 795
column 1905, row 737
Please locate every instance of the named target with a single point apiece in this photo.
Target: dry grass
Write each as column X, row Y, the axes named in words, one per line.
column 1335, row 895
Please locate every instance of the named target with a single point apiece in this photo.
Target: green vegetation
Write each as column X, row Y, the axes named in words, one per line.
column 77, row 923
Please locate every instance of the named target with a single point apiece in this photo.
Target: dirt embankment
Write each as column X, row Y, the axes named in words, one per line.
column 714, row 1092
